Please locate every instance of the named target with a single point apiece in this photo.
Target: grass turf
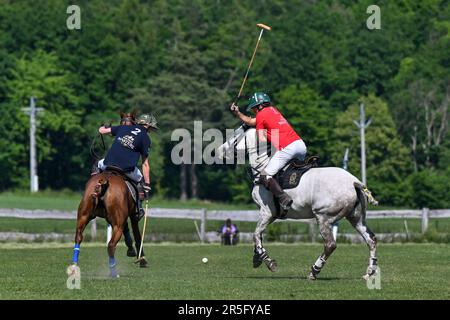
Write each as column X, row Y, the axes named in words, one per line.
column 408, row 271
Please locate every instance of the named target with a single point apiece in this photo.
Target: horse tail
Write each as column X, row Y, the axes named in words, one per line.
column 364, row 195
column 99, row 191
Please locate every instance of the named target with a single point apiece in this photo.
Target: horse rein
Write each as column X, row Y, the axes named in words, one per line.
column 94, row 154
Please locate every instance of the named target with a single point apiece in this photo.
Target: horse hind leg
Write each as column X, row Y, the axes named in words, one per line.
column 329, row 246
column 359, row 223
column 116, row 235
column 83, row 219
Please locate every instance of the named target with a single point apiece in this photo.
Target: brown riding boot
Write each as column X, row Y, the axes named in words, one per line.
column 283, row 197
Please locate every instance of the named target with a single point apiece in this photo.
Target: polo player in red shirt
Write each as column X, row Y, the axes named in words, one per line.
column 274, row 128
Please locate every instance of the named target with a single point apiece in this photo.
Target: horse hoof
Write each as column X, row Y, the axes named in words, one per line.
column 256, row 261
column 72, row 269
column 370, row 274
column 311, row 277
column 272, row 265
column 143, row 263
column 131, row 253
column 113, row 273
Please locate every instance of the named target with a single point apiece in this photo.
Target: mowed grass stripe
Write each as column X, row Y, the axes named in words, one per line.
column 411, row 271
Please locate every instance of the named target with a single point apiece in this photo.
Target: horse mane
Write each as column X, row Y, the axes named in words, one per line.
column 127, row 118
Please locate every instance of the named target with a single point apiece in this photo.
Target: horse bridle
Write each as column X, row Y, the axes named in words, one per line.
column 250, row 170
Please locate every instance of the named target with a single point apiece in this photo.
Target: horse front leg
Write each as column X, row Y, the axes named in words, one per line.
column 128, row 241
column 260, row 253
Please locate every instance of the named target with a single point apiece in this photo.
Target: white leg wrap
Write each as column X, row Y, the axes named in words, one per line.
column 319, row 263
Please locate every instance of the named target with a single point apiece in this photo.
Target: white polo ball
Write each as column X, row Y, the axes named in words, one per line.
column 205, row 260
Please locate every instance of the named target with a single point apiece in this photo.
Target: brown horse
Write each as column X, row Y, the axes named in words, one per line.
column 107, row 196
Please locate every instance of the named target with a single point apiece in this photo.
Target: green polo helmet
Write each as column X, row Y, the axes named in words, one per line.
column 149, row 120
column 256, row 99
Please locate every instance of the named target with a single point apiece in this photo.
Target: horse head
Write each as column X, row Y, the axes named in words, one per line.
column 127, row 118
column 227, row 149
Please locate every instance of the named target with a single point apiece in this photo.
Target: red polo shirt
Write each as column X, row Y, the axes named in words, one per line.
column 279, row 131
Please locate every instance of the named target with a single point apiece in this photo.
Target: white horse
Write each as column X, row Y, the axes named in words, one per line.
column 326, row 194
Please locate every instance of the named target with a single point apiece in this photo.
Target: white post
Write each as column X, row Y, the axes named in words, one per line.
column 363, row 144
column 108, row 233
column 312, row 230
column 335, row 226
column 94, row 229
column 32, row 112
column 33, row 176
column 362, row 125
column 425, row 212
column 335, row 231
column 203, row 226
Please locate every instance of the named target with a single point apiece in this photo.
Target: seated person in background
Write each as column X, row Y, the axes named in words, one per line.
column 229, row 233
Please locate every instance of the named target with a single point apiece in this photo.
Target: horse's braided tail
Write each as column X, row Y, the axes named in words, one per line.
column 366, row 192
column 99, row 191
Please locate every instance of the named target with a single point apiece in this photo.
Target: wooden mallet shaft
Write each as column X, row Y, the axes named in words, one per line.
column 263, row 27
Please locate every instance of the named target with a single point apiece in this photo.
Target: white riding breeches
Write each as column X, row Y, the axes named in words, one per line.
column 296, row 149
column 134, row 175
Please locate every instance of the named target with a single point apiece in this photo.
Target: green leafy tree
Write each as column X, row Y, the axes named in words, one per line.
column 40, row 76
column 386, row 157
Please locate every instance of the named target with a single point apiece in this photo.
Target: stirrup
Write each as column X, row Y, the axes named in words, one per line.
column 140, row 214
column 285, row 202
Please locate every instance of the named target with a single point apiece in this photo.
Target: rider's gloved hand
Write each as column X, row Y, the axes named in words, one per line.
column 147, row 190
column 234, row 109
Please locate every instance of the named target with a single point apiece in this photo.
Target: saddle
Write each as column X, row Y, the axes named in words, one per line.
column 289, row 177
column 132, row 186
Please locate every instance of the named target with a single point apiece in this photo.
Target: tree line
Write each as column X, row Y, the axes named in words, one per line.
column 184, row 61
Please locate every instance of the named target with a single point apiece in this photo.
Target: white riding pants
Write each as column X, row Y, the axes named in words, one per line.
column 296, row 149
column 134, row 175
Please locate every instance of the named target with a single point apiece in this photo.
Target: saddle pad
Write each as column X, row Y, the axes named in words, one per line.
column 132, row 189
column 289, row 177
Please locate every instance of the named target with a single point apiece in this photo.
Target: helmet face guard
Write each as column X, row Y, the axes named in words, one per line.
column 149, row 120
column 257, row 99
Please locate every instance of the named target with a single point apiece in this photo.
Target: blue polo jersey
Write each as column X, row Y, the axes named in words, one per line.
column 130, row 143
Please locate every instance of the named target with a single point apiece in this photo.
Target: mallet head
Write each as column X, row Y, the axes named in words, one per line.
column 263, row 26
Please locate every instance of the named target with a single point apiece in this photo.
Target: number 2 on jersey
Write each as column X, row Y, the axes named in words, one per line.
column 135, row 131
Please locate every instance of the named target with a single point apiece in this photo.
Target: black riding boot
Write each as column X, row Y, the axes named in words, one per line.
column 141, row 198
column 283, row 198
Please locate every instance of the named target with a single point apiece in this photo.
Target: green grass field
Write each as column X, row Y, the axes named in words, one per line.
column 408, row 271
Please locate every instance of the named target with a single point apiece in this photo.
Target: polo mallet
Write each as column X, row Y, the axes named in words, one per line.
column 263, row 27
column 143, row 232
